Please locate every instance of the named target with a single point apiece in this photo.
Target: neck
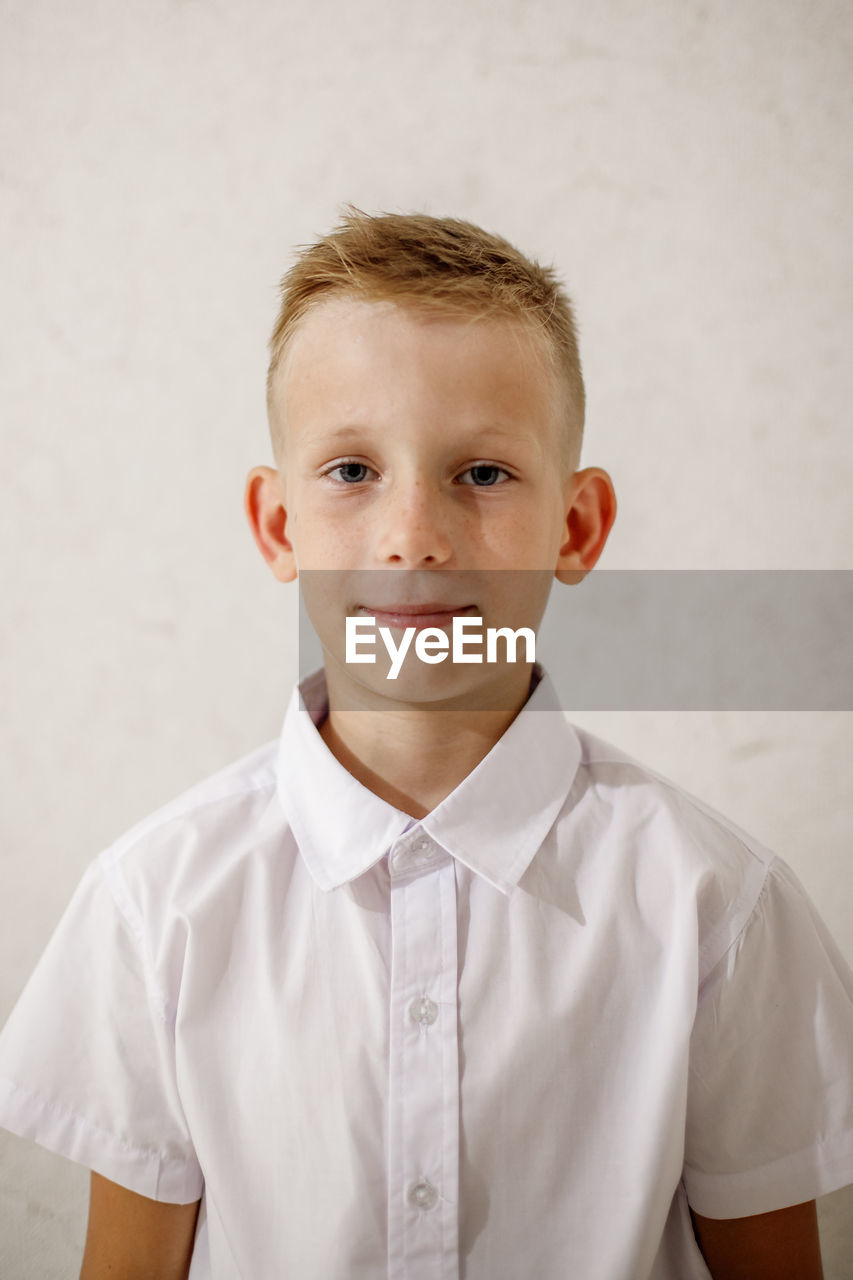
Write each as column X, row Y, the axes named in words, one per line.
column 413, row 757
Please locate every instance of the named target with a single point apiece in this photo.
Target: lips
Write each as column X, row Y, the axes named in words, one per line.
column 432, row 613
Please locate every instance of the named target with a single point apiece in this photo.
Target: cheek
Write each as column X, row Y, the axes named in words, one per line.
column 321, row 542
column 530, row 537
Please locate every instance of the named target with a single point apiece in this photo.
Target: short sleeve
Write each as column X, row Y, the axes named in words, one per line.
column 87, row 1058
column 770, row 1103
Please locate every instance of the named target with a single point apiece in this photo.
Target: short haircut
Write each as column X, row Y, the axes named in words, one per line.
column 443, row 264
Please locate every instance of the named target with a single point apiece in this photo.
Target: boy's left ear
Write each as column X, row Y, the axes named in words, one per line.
column 265, row 511
column 590, row 512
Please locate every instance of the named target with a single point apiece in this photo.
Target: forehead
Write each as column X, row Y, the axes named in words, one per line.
column 386, row 351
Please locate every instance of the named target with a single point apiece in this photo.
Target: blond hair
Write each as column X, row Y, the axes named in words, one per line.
column 443, row 264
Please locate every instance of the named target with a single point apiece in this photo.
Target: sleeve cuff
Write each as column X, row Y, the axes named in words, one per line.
column 149, row 1173
column 794, row 1179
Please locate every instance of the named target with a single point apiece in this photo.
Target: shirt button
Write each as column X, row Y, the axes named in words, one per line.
column 424, row 1011
column 422, row 1194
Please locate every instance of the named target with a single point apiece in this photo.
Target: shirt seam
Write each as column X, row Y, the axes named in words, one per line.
column 735, row 907
column 109, row 865
column 740, row 933
column 131, row 919
column 147, row 1153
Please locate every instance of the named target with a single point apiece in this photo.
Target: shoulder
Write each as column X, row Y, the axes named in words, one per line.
column 251, row 775
column 671, row 844
column 179, row 851
column 632, row 797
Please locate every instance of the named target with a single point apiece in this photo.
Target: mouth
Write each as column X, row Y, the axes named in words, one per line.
column 432, row 613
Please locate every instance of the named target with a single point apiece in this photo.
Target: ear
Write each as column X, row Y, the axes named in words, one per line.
column 267, row 518
column 590, row 512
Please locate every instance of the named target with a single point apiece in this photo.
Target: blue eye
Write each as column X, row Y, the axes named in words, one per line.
column 350, row 472
column 485, row 474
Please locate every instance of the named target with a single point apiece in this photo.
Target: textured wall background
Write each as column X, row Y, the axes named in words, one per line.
column 685, row 164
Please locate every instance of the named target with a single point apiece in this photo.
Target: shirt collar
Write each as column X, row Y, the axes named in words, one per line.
column 494, row 821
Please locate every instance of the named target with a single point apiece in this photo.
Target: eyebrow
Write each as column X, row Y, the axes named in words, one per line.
column 357, row 428
column 351, row 429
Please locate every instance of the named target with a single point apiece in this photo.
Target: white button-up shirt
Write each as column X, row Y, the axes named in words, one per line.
column 515, row 1038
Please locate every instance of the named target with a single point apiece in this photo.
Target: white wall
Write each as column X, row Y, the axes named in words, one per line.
column 685, row 164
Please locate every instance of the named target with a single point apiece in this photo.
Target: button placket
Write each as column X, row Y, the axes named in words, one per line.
column 424, row 1076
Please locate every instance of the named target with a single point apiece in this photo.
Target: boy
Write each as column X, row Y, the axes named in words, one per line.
column 456, row 989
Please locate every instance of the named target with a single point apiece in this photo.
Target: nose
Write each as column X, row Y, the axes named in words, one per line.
column 414, row 529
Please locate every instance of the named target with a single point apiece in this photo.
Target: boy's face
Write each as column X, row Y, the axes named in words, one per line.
column 431, row 446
